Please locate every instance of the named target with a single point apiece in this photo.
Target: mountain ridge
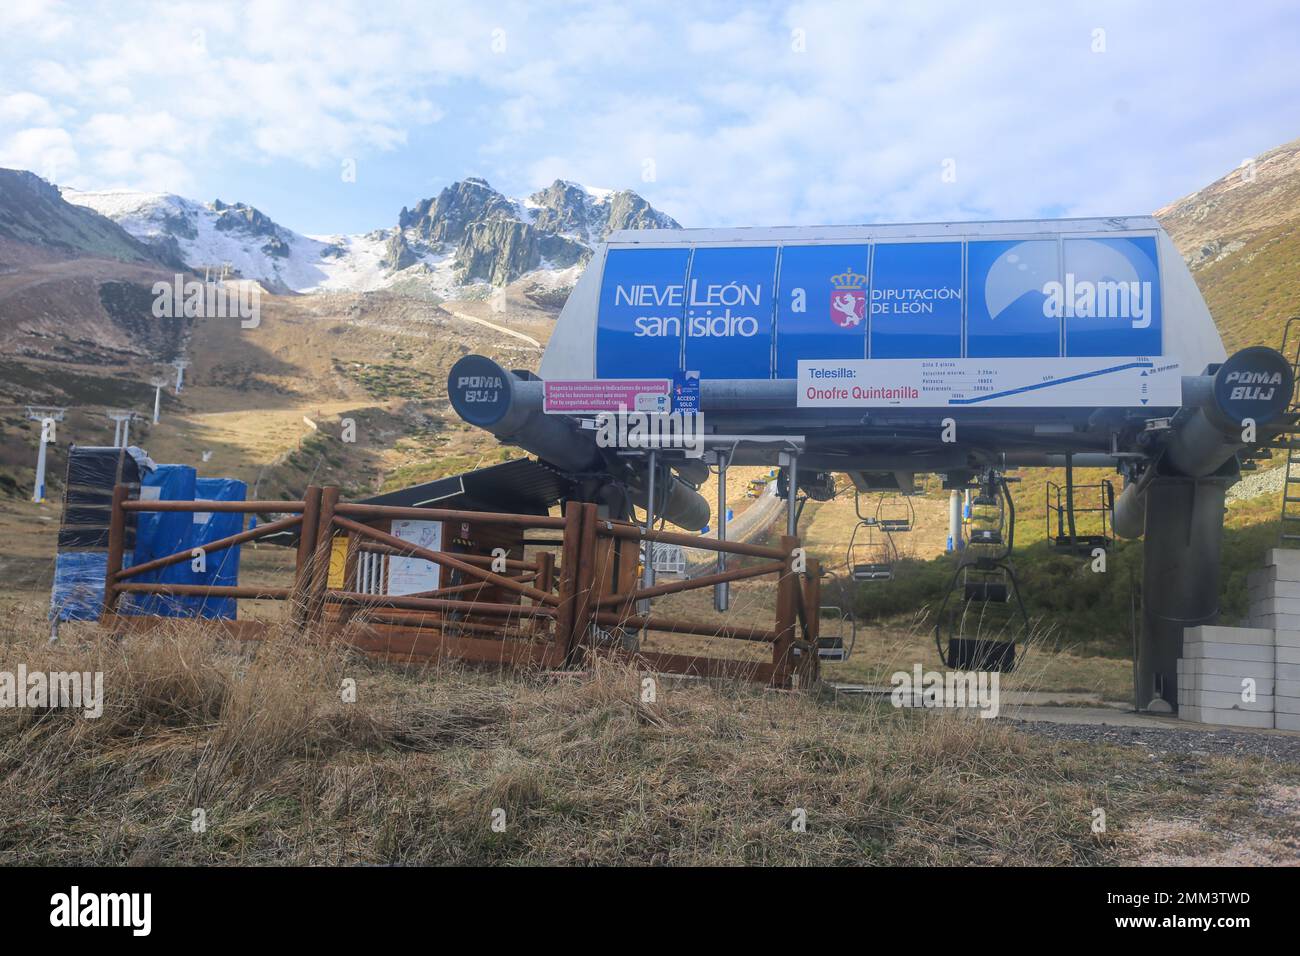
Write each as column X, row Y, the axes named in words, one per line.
column 465, row 240
column 1240, row 235
column 33, row 213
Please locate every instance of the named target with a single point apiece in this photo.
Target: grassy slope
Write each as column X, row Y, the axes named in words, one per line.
column 584, row 771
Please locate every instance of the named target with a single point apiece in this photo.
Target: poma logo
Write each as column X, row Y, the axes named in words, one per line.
column 480, row 388
column 1085, row 299
column 848, row 299
column 1253, row 386
column 240, row 299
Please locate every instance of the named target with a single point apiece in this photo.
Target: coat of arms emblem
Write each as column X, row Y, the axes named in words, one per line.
column 848, row 299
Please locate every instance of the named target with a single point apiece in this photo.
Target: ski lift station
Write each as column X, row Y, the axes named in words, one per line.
column 883, row 352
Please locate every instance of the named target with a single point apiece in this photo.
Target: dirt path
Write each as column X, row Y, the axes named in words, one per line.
column 496, row 328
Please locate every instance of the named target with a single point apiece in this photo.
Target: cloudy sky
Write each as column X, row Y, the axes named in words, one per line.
column 719, row 113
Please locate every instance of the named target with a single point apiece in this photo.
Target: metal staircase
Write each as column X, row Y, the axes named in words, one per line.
column 1289, row 536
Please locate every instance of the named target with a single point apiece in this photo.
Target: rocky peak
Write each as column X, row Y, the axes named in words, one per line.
column 239, row 217
column 562, row 207
column 627, row 210
column 446, row 218
column 498, row 240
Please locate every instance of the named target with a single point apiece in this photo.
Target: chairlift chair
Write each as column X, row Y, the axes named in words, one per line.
column 872, row 557
column 669, row 559
column 871, row 548
column 987, row 518
column 984, row 577
column 895, row 513
column 835, row 643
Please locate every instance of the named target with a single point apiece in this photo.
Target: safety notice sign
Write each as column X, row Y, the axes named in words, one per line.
column 591, row 396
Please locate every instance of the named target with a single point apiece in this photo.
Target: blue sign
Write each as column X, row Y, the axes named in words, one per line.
column 916, row 300
column 1109, row 297
column 729, row 311
column 642, row 308
column 686, row 392
column 751, row 312
column 822, row 309
column 1005, row 316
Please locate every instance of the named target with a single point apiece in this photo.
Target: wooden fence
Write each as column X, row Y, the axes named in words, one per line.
column 574, row 598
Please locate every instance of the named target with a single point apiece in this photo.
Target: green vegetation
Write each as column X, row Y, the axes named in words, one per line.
column 1252, row 292
column 1090, row 612
column 389, row 380
column 446, row 464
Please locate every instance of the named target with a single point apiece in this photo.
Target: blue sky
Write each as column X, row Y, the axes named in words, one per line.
column 720, row 114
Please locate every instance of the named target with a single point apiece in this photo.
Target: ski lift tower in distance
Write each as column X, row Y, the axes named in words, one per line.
column 48, row 416
column 180, row 364
column 121, row 427
column 159, row 382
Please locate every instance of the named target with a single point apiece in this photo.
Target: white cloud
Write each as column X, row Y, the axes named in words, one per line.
column 54, row 78
column 46, row 151
column 741, row 123
column 23, row 108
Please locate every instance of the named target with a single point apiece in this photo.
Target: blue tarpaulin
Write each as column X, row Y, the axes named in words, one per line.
column 79, row 585
column 80, row 567
column 223, row 565
column 78, row 591
column 160, row 533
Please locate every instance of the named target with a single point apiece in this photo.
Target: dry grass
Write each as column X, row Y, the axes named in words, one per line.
column 259, row 737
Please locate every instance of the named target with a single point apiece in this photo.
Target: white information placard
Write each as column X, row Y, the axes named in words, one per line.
column 413, row 575
column 982, row 383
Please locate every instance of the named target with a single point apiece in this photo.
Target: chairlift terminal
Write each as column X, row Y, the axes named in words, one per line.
column 816, row 372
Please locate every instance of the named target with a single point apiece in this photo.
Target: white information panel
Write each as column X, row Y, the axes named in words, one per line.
column 413, row 575
column 984, row 383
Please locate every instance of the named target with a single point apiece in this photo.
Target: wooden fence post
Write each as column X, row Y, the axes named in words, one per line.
column 545, row 581
column 324, row 545
column 546, row 571
column 787, row 614
column 584, row 592
column 569, row 558
column 116, row 545
column 306, row 557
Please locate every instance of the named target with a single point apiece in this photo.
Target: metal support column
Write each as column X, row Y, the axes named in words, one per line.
column 955, row 542
column 792, row 507
column 38, row 490
column 1180, row 579
column 721, row 593
column 648, row 570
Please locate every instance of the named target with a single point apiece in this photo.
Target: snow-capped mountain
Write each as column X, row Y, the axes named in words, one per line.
column 468, row 235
